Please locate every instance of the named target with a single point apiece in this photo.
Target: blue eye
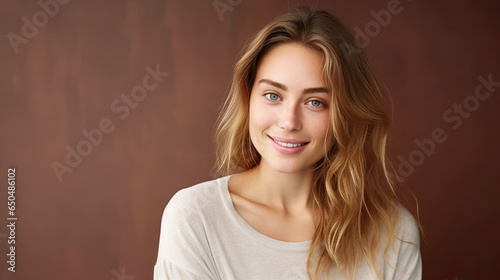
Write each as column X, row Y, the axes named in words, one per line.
column 316, row 103
column 272, row 96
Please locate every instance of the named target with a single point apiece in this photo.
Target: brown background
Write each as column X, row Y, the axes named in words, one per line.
column 105, row 215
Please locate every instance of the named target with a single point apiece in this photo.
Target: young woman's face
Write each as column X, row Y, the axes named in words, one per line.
column 289, row 115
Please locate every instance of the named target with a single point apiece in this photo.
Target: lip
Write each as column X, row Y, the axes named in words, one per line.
column 287, row 150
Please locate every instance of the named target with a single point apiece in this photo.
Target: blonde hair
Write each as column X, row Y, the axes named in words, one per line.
column 354, row 183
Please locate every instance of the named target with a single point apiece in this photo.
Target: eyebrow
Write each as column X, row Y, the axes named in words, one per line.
column 285, row 88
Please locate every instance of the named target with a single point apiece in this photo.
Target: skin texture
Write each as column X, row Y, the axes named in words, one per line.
column 289, row 101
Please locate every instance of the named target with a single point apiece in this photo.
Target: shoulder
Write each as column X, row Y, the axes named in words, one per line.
column 407, row 228
column 404, row 260
column 184, row 249
column 187, row 216
column 188, row 202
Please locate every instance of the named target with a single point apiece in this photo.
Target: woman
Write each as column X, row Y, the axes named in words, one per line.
column 307, row 190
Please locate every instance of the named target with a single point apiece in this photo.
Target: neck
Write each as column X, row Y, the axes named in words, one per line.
column 285, row 192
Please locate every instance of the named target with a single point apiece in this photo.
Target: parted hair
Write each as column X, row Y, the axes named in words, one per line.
column 353, row 186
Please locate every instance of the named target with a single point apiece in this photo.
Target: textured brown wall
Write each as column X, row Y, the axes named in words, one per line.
column 102, row 220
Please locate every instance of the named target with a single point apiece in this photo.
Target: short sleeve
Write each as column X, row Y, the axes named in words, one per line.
column 409, row 261
column 183, row 250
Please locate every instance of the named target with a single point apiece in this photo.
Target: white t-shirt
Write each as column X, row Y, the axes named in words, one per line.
column 203, row 237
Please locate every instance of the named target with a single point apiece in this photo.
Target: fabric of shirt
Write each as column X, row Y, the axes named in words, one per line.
column 203, row 237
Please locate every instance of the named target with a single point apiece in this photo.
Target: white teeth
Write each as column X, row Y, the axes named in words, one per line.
column 288, row 145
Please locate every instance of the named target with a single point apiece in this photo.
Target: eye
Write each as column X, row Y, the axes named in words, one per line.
column 272, row 96
column 316, row 103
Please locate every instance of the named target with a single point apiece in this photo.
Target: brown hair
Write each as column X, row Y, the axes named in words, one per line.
column 354, row 183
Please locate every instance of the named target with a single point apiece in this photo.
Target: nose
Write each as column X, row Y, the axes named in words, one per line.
column 290, row 119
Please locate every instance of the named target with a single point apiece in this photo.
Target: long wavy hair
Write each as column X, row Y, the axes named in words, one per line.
column 353, row 186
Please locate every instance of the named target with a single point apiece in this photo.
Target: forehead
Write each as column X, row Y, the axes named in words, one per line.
column 292, row 64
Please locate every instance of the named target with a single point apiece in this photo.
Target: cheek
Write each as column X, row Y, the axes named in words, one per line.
column 260, row 117
column 321, row 127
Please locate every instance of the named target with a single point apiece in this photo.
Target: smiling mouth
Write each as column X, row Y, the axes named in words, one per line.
column 288, row 145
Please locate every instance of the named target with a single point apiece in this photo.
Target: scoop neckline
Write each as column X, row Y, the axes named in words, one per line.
column 251, row 231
